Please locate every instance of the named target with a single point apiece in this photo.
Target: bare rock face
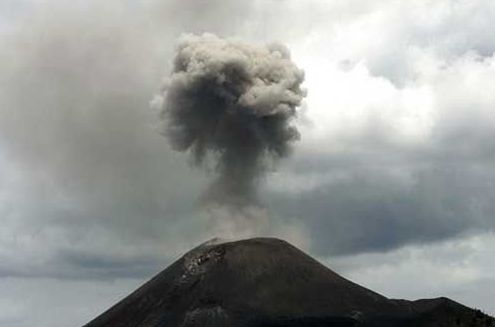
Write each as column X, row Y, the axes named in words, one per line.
column 265, row 282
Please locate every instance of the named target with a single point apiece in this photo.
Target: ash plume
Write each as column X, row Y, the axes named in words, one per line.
column 232, row 102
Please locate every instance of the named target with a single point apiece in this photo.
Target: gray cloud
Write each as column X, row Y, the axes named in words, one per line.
column 410, row 205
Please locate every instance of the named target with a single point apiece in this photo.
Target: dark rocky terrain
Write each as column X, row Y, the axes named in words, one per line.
column 266, row 282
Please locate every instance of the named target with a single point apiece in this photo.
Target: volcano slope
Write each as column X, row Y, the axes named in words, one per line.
column 266, row 282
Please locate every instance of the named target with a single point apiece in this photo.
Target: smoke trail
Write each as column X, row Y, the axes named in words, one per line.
column 233, row 101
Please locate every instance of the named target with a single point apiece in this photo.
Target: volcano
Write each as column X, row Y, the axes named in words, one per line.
column 266, row 282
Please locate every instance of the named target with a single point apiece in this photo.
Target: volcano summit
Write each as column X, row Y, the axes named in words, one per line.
column 265, row 282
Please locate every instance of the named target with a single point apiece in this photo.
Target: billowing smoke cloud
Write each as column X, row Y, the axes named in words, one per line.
column 232, row 102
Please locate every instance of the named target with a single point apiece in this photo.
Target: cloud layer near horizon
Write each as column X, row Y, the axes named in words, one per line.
column 397, row 131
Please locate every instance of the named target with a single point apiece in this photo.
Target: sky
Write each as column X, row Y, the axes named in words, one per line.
column 392, row 183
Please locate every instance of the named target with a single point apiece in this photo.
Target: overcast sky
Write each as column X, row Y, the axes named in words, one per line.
column 392, row 183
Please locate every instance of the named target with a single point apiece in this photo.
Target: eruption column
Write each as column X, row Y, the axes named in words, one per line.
column 233, row 102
